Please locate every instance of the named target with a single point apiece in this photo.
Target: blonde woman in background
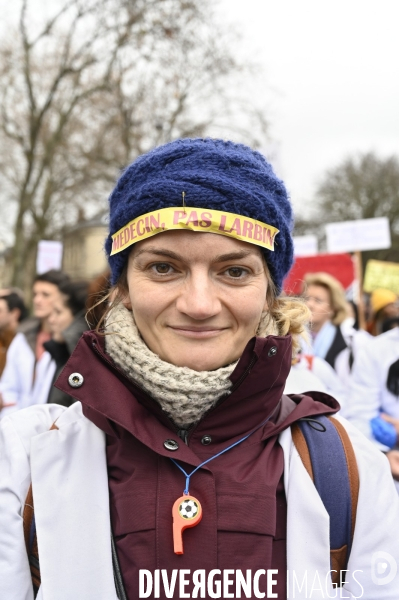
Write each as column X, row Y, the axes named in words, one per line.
column 325, row 297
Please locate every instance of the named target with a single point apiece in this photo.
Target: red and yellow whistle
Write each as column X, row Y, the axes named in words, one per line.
column 186, row 512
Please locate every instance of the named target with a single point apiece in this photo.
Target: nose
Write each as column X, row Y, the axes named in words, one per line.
column 310, row 303
column 198, row 298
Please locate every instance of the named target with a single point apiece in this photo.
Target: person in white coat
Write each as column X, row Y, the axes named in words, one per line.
column 69, row 470
column 325, row 297
column 334, row 337
column 357, row 341
column 29, row 370
column 312, row 373
column 373, row 401
column 180, row 414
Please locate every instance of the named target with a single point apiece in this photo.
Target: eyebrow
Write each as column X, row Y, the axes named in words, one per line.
column 221, row 258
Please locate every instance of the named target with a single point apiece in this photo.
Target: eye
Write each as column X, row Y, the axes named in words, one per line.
column 162, row 268
column 236, row 272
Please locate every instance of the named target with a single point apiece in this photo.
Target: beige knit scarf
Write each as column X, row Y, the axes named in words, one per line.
column 184, row 394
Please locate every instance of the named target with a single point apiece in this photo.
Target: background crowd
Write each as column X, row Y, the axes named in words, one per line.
column 35, row 349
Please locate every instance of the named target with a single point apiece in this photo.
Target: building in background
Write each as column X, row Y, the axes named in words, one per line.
column 83, row 253
column 84, row 256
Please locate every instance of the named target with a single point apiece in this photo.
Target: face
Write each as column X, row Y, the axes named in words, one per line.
column 391, row 310
column 5, row 315
column 197, row 298
column 317, row 299
column 60, row 317
column 44, row 295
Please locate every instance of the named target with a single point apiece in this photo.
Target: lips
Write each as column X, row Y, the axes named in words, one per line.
column 197, row 332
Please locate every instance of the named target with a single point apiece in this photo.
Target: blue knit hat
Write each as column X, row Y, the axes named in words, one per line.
column 215, row 175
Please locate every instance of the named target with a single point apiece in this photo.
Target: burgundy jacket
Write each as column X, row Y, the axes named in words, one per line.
column 241, row 491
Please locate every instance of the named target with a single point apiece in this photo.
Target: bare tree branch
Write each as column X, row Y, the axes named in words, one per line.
column 97, row 83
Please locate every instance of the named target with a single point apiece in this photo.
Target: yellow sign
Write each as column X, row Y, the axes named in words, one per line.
column 381, row 274
column 194, row 219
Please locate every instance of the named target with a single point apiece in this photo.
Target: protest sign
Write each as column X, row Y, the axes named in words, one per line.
column 305, row 245
column 340, row 266
column 360, row 235
column 49, row 256
column 381, row 274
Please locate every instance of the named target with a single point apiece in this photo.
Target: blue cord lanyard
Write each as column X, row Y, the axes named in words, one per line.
column 186, row 489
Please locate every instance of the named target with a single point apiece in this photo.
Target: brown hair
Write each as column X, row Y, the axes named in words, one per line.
column 290, row 314
column 97, row 299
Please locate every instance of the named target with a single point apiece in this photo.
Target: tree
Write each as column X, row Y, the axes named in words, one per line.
column 362, row 187
column 90, row 86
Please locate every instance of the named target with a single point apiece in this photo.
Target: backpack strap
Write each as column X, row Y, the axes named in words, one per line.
column 120, row 588
column 328, row 456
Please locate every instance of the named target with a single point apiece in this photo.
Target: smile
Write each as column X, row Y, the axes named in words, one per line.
column 198, row 332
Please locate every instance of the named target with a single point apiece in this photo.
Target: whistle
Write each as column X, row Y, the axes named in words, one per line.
column 186, row 512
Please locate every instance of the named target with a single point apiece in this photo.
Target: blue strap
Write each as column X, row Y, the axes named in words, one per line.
column 331, row 477
column 188, row 475
column 186, row 489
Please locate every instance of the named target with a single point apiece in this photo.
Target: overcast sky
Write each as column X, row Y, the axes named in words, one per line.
column 332, row 71
column 333, row 68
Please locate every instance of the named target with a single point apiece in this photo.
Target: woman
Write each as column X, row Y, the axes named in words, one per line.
column 67, row 323
column 325, row 298
column 334, row 339
column 191, row 369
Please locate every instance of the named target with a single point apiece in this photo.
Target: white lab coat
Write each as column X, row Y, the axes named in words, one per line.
column 317, row 376
column 357, row 341
column 69, row 478
column 368, row 393
column 24, row 381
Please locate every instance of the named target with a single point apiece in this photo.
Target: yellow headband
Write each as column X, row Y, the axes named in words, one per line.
column 194, row 219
